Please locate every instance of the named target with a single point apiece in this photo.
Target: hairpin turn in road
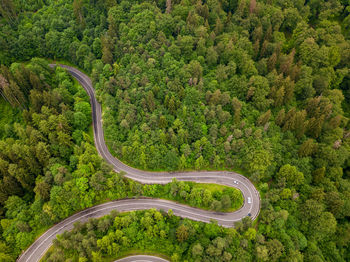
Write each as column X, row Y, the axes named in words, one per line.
column 251, row 205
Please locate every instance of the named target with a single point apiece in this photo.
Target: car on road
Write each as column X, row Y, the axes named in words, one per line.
column 249, row 200
column 235, row 182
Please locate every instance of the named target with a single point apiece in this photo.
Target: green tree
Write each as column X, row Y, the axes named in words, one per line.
column 258, row 161
column 80, row 121
column 226, row 201
column 182, row 233
column 291, row 175
column 78, row 11
column 199, row 164
column 264, row 118
column 42, row 190
column 197, row 250
column 307, row 148
column 182, row 162
column 275, row 249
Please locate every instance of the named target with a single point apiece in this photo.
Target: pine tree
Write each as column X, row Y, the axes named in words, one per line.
column 237, row 106
column 312, row 108
column 172, row 105
column 78, row 11
column 289, row 121
column 218, row 26
column 264, row 118
column 257, row 33
column 307, row 148
column 335, row 122
column 300, row 123
column 287, row 63
column 256, row 48
column 289, row 90
column 279, row 97
column 150, row 101
column 315, row 126
column 107, row 50
column 271, row 63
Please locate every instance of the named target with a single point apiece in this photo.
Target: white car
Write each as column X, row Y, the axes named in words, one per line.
column 235, row 182
column 249, row 200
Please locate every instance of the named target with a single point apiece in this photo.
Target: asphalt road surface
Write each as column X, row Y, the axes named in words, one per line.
column 251, row 205
column 141, row 258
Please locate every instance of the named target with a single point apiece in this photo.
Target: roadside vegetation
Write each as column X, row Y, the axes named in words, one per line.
column 206, row 196
column 113, row 236
column 8, row 115
column 49, row 166
column 252, row 84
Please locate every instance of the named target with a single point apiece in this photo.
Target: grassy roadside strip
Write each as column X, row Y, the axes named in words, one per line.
column 131, row 252
column 211, row 197
column 134, row 252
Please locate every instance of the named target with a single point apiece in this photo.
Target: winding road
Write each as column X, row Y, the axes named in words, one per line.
column 141, row 258
column 251, row 205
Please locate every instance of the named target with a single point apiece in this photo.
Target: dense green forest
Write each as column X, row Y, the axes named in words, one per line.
column 49, row 167
column 47, row 161
column 258, row 85
column 8, row 115
column 180, row 240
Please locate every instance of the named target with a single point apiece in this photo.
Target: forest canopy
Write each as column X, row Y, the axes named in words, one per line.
column 259, row 86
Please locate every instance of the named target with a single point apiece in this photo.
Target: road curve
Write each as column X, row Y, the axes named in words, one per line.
column 251, row 205
column 141, row 258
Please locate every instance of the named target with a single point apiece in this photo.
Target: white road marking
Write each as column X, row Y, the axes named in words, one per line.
column 223, row 178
